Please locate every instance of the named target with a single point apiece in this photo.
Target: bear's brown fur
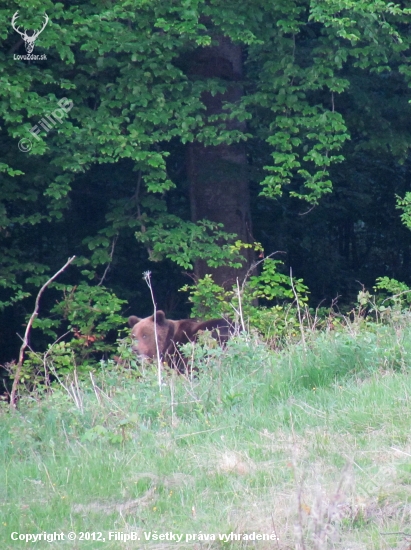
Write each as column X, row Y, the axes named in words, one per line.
column 171, row 334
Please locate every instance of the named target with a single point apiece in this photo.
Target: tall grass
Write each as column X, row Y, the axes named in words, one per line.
column 311, row 444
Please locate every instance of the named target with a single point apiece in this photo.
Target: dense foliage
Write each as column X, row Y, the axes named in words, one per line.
column 322, row 114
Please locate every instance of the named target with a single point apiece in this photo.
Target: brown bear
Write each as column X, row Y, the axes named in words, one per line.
column 170, row 334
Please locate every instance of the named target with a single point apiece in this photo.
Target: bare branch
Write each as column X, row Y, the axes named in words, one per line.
column 27, row 332
column 113, row 245
column 298, row 309
column 255, row 264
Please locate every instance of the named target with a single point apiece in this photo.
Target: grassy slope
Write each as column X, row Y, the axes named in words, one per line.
column 312, row 443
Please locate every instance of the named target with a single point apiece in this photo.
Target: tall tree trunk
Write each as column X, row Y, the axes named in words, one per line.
column 218, row 174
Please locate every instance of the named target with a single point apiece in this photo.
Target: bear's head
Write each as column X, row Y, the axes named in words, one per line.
column 171, row 335
column 144, row 331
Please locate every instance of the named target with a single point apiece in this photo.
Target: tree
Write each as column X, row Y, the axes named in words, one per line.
column 218, row 174
column 132, row 71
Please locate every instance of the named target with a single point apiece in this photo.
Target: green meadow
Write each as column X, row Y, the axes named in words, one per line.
column 307, row 447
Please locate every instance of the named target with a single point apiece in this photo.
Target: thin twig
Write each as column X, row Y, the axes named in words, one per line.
column 72, row 391
column 27, row 332
column 48, row 352
column 396, row 295
column 298, row 309
column 113, row 245
column 255, row 264
column 49, row 478
column 399, row 451
column 77, row 389
column 240, row 306
column 147, row 275
column 397, row 533
column 95, row 388
column 307, row 211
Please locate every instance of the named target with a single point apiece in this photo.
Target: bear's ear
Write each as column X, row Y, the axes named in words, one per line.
column 188, row 327
column 133, row 320
column 160, row 317
column 220, row 329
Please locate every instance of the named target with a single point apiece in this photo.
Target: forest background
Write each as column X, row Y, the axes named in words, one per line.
column 288, row 122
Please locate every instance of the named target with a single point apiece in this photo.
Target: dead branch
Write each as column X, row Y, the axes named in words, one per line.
column 113, row 245
column 27, row 332
column 256, row 264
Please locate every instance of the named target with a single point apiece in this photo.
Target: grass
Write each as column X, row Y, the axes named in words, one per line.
column 310, row 445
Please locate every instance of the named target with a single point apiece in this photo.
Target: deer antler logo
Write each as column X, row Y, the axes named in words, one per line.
column 29, row 40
